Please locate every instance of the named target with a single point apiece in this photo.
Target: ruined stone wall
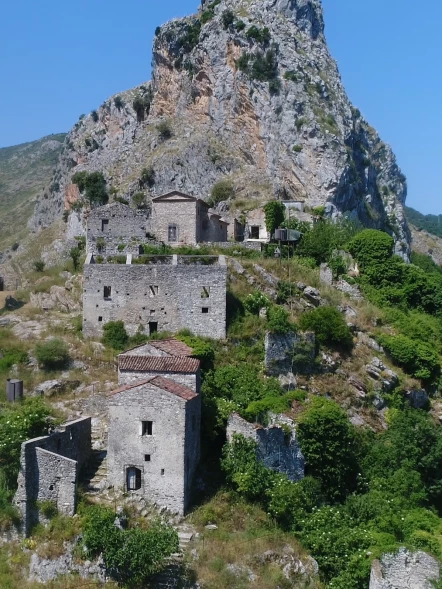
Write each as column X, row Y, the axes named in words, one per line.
column 182, row 214
column 132, row 376
column 125, row 226
column 275, row 449
column 168, row 295
column 49, row 467
column 170, row 444
column 289, row 353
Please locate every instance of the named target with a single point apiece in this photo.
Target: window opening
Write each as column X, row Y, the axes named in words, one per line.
column 162, row 472
column 205, row 292
column 104, row 224
column 153, row 327
column 153, row 291
column 147, row 458
column 147, row 428
column 172, row 233
column 205, row 310
column 133, row 478
column 254, row 232
column 100, row 319
column 107, row 292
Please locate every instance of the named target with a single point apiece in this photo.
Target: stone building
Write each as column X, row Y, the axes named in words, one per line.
column 115, row 227
column 164, row 293
column 255, row 227
column 276, row 449
column 154, row 424
column 49, row 469
column 181, row 219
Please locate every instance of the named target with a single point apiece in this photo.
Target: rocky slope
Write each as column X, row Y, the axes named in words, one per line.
column 24, row 171
column 248, row 91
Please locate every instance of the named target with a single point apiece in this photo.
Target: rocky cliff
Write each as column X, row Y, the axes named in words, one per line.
column 246, row 91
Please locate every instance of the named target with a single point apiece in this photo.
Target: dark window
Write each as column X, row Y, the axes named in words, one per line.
column 205, row 310
column 254, row 232
column 153, row 327
column 172, row 233
column 162, row 472
column 104, row 224
column 147, row 428
column 100, row 319
column 107, row 292
column 133, row 478
column 147, row 458
column 205, row 292
column 153, row 291
column 2, row 284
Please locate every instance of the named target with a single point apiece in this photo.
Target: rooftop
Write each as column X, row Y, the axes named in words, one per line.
column 182, row 364
column 163, row 384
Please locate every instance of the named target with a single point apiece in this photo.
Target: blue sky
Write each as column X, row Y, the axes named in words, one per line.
column 61, row 59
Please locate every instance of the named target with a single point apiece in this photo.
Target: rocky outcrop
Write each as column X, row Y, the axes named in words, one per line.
column 290, row 353
column 263, row 106
column 414, row 570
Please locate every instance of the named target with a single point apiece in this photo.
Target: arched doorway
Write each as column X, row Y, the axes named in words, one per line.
column 133, row 478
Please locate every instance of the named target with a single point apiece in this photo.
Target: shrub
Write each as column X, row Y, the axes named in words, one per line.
column 222, row 190
column 329, row 326
column 415, row 357
column 275, row 86
column 297, row 148
column 139, row 200
column 278, row 320
column 325, row 237
column 259, row 35
column 95, row 116
column 227, row 18
column 274, row 215
column 201, row 349
column 15, row 246
column 115, row 335
column 157, row 31
column 75, row 255
column 39, row 265
column 242, row 63
column 165, row 130
column 94, row 186
column 265, row 66
column 292, row 76
column 254, row 302
column 240, row 25
column 53, row 354
column 147, row 176
column 370, row 247
column 328, row 443
column 119, row 103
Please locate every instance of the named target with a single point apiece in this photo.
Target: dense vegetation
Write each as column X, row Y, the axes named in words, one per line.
column 430, row 223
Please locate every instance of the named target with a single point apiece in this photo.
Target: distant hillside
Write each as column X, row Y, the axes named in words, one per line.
column 430, row 223
column 24, row 171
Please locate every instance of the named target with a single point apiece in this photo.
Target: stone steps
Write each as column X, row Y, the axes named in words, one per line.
column 95, row 472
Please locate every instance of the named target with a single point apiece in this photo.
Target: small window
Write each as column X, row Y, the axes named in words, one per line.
column 254, row 232
column 205, row 310
column 162, row 472
column 152, row 311
column 205, row 292
column 147, row 428
column 133, row 479
column 172, row 233
column 100, row 319
column 104, row 224
column 153, row 291
column 107, row 292
column 153, row 327
column 147, row 458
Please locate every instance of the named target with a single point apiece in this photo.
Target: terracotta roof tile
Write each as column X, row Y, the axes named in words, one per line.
column 172, row 346
column 128, row 387
column 166, row 384
column 159, row 364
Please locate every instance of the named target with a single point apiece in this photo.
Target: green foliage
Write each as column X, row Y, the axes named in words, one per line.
column 258, row 410
column 242, row 63
column 206, row 16
column 157, row 31
column 259, row 35
column 371, row 247
column 93, row 184
column 119, row 102
column 279, row 320
column 202, row 348
column 256, row 301
column 18, row 423
column 292, row 76
column 222, row 190
column 95, row 116
column 426, row 263
column 417, row 358
column 274, row 215
column 191, row 37
column 132, row 556
column 38, row 265
column 75, row 255
column 240, row 25
column 164, row 130
column 52, row 354
column 147, row 176
column 328, row 442
column 329, row 326
column 139, row 200
column 297, row 148
column 264, row 66
column 430, row 223
column 324, row 238
column 227, row 18
column 115, row 335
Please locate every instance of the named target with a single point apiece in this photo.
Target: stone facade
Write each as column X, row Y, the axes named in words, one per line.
column 154, row 441
column 116, row 225
column 276, row 449
column 181, row 219
column 49, row 468
column 416, row 570
column 170, row 293
column 289, row 353
column 255, row 228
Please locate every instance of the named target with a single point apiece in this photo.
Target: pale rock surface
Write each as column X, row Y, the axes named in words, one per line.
column 404, row 570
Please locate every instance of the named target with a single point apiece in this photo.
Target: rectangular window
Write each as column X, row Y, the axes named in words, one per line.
column 205, row 310
column 254, row 232
column 107, row 292
column 147, row 428
column 172, row 233
column 153, row 291
column 147, row 458
column 104, row 224
column 100, row 319
column 205, row 292
column 162, row 472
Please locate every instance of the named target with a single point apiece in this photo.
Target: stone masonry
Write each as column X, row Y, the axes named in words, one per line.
column 405, row 569
column 276, row 449
column 49, row 468
column 168, row 293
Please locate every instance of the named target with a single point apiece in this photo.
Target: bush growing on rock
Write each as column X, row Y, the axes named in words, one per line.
column 416, row 357
column 115, row 335
column 222, row 190
column 52, row 354
column 93, row 184
column 164, row 130
column 39, row 265
column 329, row 326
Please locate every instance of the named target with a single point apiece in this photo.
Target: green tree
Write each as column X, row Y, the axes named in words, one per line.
column 115, row 335
column 75, row 255
column 222, row 190
column 93, row 184
column 274, row 215
column 139, row 200
column 52, row 354
column 329, row 326
column 371, row 246
column 416, row 357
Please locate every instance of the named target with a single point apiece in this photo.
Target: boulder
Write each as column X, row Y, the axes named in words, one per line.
column 326, row 274
column 351, row 290
column 58, row 297
column 290, row 353
column 368, row 341
column 313, row 295
column 405, row 569
column 418, row 398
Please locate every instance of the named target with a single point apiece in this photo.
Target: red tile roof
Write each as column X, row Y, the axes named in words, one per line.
column 165, row 384
column 172, row 346
column 159, row 364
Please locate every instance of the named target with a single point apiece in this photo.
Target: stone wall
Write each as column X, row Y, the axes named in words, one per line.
column 124, row 226
column 173, row 447
column 276, row 449
column 289, row 353
column 132, row 376
column 49, row 468
column 416, row 570
column 185, row 215
column 167, row 295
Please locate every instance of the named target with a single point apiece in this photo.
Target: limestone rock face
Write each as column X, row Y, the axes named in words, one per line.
column 416, row 570
column 289, row 132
